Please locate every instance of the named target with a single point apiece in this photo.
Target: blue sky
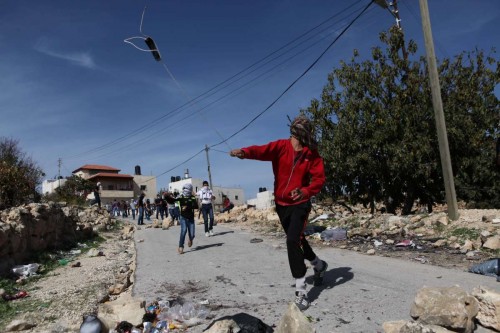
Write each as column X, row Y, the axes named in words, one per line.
column 71, row 88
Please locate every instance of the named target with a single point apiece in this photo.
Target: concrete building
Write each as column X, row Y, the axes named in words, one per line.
column 264, row 200
column 236, row 195
column 115, row 185
column 49, row 185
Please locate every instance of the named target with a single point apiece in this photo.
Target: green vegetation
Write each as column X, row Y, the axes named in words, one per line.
column 19, row 175
column 376, row 128
column 48, row 262
column 74, row 191
column 465, row 233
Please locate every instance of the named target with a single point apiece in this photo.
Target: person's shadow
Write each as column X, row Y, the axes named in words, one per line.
column 222, row 233
column 203, row 247
column 332, row 278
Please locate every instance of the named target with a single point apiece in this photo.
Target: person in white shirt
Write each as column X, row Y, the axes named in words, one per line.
column 206, row 196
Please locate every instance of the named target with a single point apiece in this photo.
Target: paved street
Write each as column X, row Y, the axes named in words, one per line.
column 236, row 275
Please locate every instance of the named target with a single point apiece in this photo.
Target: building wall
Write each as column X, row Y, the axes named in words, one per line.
column 50, row 185
column 236, row 195
column 149, row 182
column 264, row 200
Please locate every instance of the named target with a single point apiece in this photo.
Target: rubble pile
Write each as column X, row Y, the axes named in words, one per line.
column 30, row 229
column 475, row 235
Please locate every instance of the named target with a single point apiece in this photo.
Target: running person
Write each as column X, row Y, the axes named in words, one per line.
column 299, row 174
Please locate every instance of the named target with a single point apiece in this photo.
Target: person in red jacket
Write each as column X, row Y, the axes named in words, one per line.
column 299, row 174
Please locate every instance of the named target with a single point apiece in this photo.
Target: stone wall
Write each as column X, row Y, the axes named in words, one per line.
column 28, row 230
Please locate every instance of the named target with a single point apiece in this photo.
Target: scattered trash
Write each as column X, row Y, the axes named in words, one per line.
column 489, row 268
column 334, row 234
column 321, row 217
column 405, row 243
column 256, row 240
column 187, row 314
column 422, row 259
column 312, row 229
column 75, row 252
column 77, row 264
column 124, row 327
column 140, row 240
column 377, row 243
column 91, row 324
column 204, row 302
column 26, row 270
column 19, row 294
column 63, row 262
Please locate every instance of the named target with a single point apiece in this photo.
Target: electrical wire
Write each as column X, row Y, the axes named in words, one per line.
column 155, row 121
column 288, row 88
column 279, row 97
column 307, row 48
column 298, row 78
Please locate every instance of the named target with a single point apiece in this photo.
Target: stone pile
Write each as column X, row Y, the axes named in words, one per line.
column 450, row 309
column 477, row 230
column 30, row 229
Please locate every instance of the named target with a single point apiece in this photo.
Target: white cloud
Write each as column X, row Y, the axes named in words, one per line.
column 83, row 59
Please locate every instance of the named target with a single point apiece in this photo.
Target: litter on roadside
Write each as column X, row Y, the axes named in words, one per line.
column 19, row 294
column 26, row 270
column 490, row 268
column 405, row 243
column 334, row 234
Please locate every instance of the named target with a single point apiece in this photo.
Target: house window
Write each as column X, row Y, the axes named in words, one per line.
column 143, row 187
column 235, row 197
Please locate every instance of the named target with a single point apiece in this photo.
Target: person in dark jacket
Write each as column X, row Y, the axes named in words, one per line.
column 188, row 203
column 299, row 174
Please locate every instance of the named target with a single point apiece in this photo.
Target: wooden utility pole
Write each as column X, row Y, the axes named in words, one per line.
column 59, row 172
column 208, row 164
column 444, row 150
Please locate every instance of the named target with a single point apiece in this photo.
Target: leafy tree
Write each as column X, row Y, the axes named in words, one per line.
column 73, row 191
column 19, row 175
column 375, row 123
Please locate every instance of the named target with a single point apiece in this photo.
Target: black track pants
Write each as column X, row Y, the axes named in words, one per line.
column 294, row 220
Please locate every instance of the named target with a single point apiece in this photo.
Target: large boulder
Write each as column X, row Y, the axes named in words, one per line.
column 449, row 307
column 489, row 307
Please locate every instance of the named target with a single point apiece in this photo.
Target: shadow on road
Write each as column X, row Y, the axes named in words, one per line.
column 223, row 233
column 203, row 247
column 332, row 278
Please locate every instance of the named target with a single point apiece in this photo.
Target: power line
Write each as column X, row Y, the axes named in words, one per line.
column 190, row 102
column 281, row 95
column 298, row 78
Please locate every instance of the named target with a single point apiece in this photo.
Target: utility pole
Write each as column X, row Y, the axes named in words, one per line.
column 393, row 9
column 208, row 164
column 444, row 151
column 59, row 161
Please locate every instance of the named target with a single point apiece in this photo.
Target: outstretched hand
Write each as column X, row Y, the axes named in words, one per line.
column 237, row 153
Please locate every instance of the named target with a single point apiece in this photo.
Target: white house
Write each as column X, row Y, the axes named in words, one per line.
column 264, row 200
column 49, row 185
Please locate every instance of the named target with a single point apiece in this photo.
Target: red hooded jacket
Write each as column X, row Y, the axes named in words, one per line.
column 292, row 169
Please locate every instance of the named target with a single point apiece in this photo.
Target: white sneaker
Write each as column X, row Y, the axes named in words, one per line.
column 211, row 233
column 207, row 234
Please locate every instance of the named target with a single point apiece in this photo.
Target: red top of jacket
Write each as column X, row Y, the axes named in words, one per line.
column 292, row 169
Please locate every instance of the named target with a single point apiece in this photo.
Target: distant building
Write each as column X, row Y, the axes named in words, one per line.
column 115, row 185
column 264, row 200
column 236, row 195
column 49, row 185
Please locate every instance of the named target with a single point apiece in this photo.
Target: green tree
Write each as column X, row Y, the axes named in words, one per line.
column 19, row 175
column 74, row 191
column 377, row 133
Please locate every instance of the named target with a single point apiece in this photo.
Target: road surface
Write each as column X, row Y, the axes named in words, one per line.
column 235, row 275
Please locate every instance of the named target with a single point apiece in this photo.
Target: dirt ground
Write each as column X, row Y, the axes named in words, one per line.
column 58, row 300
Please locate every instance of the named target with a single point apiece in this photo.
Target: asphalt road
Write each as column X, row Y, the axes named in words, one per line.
column 360, row 292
